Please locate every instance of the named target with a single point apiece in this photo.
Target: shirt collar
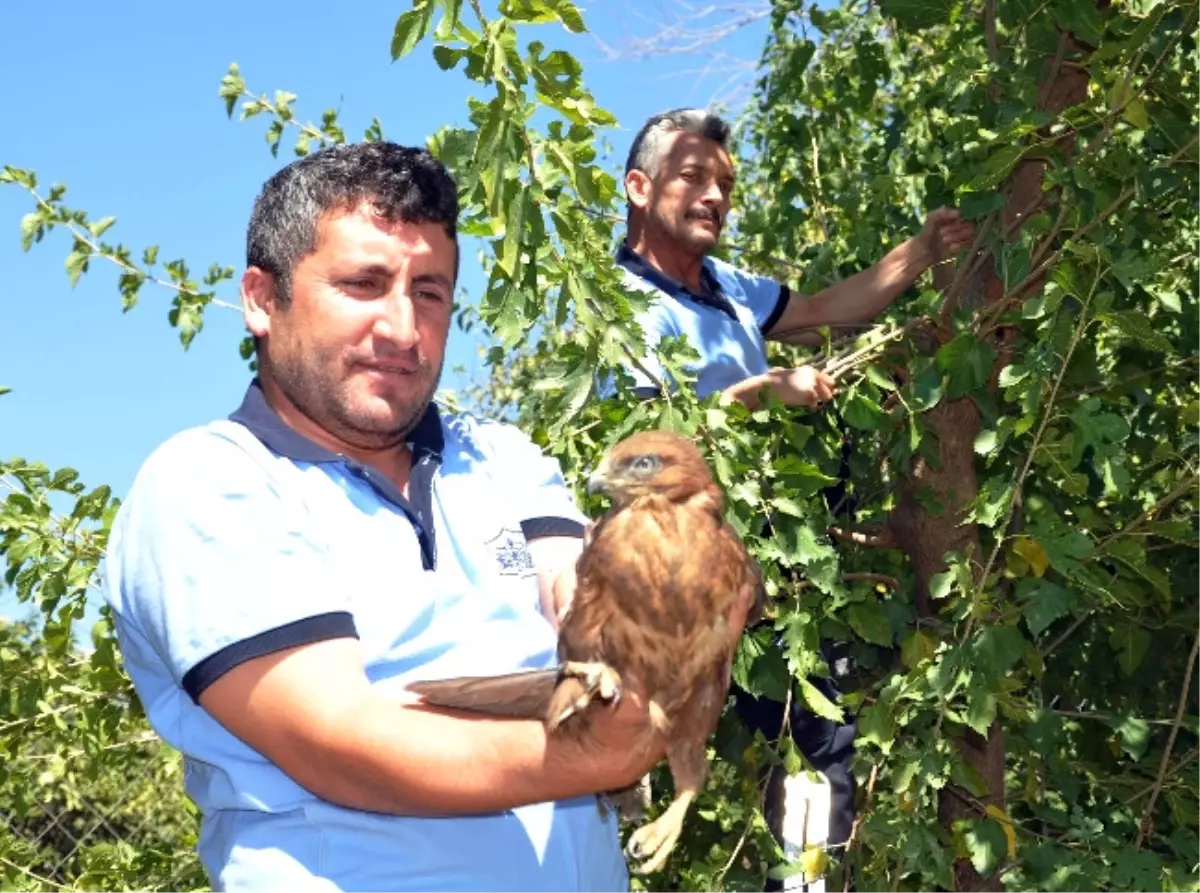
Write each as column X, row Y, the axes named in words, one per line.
column 642, row 268
column 256, row 414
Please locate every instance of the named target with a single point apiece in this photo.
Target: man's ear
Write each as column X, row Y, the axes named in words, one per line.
column 258, row 300
column 638, row 189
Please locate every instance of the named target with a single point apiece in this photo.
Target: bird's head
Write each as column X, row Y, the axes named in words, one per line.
column 654, row 462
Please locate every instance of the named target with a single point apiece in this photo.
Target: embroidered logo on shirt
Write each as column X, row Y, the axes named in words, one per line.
column 511, row 553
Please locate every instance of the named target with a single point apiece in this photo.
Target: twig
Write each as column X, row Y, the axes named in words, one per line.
column 25, row 871
column 989, row 26
column 866, row 805
column 861, row 576
column 74, row 230
column 1054, row 231
column 733, row 856
column 1186, row 487
column 1048, row 84
column 1067, row 633
column 1100, row 388
column 837, row 366
column 1014, row 294
column 1184, row 760
column 967, row 268
column 1037, row 439
column 879, row 536
column 1181, row 708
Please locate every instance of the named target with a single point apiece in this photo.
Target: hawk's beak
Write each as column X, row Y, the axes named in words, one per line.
column 598, row 480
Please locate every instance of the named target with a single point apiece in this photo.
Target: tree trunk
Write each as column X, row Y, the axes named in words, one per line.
column 927, row 535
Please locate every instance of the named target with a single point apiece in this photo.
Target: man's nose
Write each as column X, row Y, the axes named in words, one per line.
column 397, row 321
column 713, row 195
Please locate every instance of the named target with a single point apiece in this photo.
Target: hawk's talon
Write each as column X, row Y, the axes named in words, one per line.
column 598, row 679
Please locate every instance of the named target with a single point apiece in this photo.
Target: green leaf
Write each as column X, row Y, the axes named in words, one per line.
column 1044, row 604
column 1082, row 17
column 917, row 15
column 925, row 390
column 411, row 28
column 996, row 649
column 862, row 412
column 916, row 648
column 1133, row 732
column 981, row 706
column 77, row 263
column 447, row 57
column 985, row 442
column 941, row 584
column 1136, row 326
column 817, row 702
column 569, row 15
column 1131, row 644
column 30, row 225
column 967, row 364
column 870, row 622
column 1033, row 553
column 986, row 844
column 997, row 167
column 1137, row 870
column 976, row 205
column 5, row 390
column 100, row 227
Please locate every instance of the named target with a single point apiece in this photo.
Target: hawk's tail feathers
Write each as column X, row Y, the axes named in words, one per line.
column 524, row 695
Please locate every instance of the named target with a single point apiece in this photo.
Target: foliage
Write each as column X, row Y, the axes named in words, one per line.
column 997, row 516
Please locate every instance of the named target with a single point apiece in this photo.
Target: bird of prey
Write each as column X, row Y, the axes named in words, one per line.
column 657, row 581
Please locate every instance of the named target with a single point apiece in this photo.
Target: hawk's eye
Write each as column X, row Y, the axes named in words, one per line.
column 644, row 465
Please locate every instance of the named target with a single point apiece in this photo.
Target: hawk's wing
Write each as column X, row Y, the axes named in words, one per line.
column 523, row 695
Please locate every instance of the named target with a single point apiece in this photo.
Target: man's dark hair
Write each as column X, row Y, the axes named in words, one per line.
column 401, row 184
column 650, row 145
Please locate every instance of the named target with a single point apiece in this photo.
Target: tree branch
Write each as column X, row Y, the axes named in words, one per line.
column 877, row 536
column 97, row 251
column 862, row 576
column 1181, row 708
column 1186, row 487
column 1067, row 633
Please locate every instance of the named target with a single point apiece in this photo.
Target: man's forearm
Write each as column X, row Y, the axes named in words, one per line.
column 312, row 712
column 413, row 760
column 858, row 299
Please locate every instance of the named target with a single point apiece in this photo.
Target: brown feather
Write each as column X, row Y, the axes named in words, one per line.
column 523, row 695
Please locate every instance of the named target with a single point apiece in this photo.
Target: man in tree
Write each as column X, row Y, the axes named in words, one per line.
column 277, row 577
column 678, row 182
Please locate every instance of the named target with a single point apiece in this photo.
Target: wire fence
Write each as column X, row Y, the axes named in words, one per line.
column 90, row 797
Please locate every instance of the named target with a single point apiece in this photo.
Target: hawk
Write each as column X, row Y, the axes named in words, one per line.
column 659, row 578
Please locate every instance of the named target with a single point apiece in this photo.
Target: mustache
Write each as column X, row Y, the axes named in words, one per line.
column 704, row 214
column 409, row 361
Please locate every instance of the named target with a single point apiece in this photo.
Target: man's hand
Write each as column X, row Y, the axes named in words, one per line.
column 802, row 386
column 943, row 235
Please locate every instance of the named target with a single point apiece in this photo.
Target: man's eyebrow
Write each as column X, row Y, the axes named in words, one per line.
column 434, row 279
column 368, row 270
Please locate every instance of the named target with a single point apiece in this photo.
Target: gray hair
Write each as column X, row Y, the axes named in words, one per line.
column 650, row 145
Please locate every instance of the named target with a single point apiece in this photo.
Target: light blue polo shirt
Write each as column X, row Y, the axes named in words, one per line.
column 241, row 537
column 726, row 324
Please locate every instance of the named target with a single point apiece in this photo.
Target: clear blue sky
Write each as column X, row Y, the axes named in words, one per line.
column 119, row 102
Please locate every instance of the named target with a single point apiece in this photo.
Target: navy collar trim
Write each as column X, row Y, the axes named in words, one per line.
column 256, row 414
column 642, row 268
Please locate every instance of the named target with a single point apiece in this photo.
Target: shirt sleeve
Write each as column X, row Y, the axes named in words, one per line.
column 766, row 297
column 212, row 562
column 531, row 481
